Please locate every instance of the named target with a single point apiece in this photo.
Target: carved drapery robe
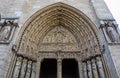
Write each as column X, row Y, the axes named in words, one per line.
column 4, row 33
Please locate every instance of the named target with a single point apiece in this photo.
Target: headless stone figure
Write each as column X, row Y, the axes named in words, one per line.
column 112, row 34
column 4, row 33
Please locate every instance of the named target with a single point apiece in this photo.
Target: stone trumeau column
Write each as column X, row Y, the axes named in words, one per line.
column 59, row 68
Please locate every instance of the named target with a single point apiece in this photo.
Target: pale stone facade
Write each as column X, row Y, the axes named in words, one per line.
column 34, row 30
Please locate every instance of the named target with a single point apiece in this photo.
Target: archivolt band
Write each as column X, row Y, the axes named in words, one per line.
column 59, row 41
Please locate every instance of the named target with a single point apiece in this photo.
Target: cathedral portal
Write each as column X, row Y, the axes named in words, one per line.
column 59, row 41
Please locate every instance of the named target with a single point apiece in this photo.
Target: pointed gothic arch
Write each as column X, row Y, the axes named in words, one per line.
column 59, row 14
column 43, row 36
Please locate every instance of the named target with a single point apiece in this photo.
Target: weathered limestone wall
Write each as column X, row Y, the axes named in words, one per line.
column 101, row 10
column 29, row 8
column 4, row 59
column 115, row 52
column 25, row 8
column 4, row 6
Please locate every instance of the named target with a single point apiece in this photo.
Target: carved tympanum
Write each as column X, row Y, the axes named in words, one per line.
column 58, row 38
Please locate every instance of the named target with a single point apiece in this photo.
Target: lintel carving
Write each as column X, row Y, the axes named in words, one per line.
column 64, row 54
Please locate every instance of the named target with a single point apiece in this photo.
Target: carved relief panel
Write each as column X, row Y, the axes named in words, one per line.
column 59, row 38
column 110, row 30
column 7, row 28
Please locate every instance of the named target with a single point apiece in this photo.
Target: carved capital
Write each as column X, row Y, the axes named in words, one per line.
column 59, row 60
column 14, row 48
column 98, row 58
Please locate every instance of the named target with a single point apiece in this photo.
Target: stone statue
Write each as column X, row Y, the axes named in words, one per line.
column 112, row 33
column 4, row 33
column 0, row 27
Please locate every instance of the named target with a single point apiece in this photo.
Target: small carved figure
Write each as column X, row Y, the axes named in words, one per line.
column 14, row 48
column 112, row 34
column 4, row 33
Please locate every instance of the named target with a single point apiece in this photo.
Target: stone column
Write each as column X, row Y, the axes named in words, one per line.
column 100, row 67
column 94, row 68
column 38, row 67
column 33, row 70
column 85, row 70
column 59, row 68
column 80, row 69
column 89, row 69
column 12, row 66
column 24, row 67
column 11, row 32
column 28, row 72
column 104, row 31
column 17, row 68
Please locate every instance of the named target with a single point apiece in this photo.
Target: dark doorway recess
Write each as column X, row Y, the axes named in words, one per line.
column 48, row 68
column 69, row 68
